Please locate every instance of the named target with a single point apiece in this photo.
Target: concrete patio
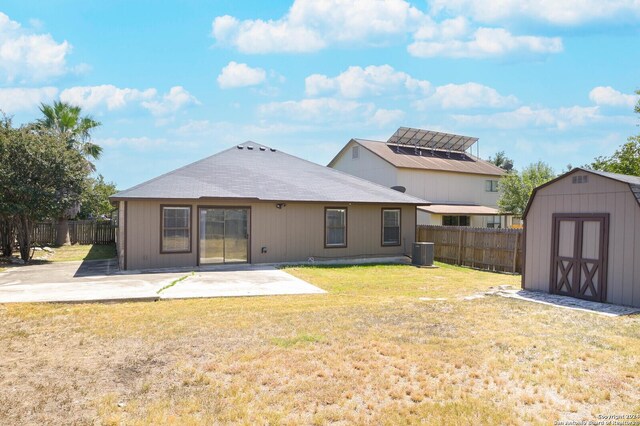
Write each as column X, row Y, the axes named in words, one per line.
column 101, row 281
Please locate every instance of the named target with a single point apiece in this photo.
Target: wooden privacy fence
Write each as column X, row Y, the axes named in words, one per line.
column 80, row 232
column 483, row 248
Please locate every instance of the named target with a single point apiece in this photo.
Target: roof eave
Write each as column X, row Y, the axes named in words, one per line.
column 272, row 200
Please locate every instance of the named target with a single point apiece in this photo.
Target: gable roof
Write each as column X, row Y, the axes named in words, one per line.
column 403, row 156
column 254, row 171
column 632, row 181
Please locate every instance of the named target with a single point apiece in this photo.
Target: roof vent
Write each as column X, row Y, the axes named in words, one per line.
column 249, row 147
column 240, row 146
column 262, row 148
column 399, row 188
column 273, row 150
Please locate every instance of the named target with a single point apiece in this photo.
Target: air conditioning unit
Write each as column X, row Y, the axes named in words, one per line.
column 422, row 254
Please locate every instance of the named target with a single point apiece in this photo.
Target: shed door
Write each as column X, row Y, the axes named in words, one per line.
column 579, row 256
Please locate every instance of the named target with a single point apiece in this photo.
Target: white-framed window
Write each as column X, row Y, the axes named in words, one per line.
column 335, row 223
column 175, row 234
column 355, row 152
column 390, row 227
column 494, row 222
column 491, row 185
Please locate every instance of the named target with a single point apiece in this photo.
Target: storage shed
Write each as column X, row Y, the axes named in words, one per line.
column 582, row 237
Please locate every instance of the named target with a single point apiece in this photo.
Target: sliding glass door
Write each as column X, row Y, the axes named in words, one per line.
column 224, row 235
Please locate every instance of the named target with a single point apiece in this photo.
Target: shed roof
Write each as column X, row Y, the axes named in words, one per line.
column 254, row 171
column 632, row 181
column 403, row 156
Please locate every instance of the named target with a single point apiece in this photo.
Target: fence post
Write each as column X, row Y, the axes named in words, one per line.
column 460, row 247
column 515, row 252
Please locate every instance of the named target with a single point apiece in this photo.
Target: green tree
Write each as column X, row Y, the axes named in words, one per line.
column 67, row 121
column 516, row 188
column 95, row 198
column 626, row 159
column 501, row 160
column 7, row 226
column 39, row 177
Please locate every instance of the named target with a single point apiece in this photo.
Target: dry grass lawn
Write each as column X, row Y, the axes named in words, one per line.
column 78, row 252
column 368, row 352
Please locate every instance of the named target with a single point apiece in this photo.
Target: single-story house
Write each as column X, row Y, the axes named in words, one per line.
column 255, row 204
column 582, row 237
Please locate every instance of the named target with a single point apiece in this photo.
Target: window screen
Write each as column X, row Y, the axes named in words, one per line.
column 176, row 229
column 355, row 152
column 491, row 185
column 336, row 227
column 493, row 222
column 390, row 227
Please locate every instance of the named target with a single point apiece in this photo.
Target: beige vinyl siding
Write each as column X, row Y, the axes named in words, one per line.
column 367, row 166
column 599, row 195
column 293, row 233
column 447, row 187
column 120, row 236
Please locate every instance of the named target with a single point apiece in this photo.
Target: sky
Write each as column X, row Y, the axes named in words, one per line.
column 176, row 81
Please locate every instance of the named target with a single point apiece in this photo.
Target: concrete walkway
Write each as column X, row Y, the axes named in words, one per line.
column 566, row 302
column 558, row 301
column 100, row 281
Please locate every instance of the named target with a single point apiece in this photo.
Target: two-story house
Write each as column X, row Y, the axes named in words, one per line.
column 458, row 188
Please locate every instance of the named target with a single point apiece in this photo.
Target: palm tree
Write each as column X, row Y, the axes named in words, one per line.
column 66, row 121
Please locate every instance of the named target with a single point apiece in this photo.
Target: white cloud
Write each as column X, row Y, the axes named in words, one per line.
column 481, row 43
column 357, row 82
column 467, row 95
column 112, row 97
column 320, row 111
column 384, row 117
column 13, row 100
column 28, row 57
column 607, row 95
column 312, row 25
column 240, row 75
column 93, row 97
column 171, row 102
column 558, row 12
column 527, row 117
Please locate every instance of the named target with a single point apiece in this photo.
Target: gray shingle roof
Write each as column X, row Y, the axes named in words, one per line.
column 254, row 171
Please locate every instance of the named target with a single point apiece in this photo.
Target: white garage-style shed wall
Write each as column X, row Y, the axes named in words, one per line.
column 582, row 237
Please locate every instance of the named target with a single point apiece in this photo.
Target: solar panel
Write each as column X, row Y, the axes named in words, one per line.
column 430, row 139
